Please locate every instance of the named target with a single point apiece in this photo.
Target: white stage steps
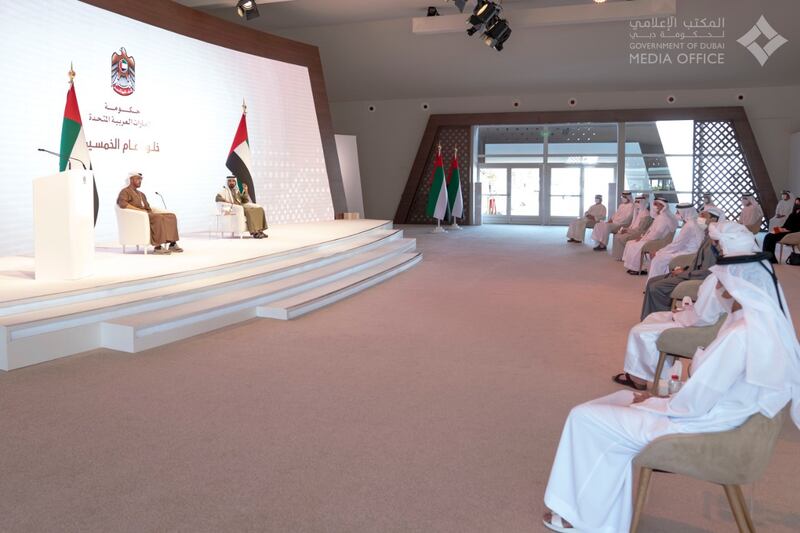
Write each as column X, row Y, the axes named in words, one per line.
column 139, row 315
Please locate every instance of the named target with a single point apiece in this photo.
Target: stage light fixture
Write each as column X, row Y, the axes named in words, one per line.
column 484, row 12
column 433, row 12
column 247, row 9
column 497, row 33
column 460, row 4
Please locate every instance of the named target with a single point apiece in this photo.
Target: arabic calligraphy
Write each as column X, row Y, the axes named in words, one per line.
column 126, row 146
column 668, row 40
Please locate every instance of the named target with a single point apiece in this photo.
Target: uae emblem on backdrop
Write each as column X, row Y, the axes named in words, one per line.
column 240, row 160
column 437, row 198
column 73, row 141
column 123, row 73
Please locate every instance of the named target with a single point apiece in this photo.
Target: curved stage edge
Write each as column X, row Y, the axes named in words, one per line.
column 134, row 302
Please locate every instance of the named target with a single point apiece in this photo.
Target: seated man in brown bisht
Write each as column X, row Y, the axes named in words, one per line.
column 163, row 226
column 253, row 213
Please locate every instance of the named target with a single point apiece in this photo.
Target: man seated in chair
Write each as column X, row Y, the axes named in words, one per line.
column 791, row 225
column 621, row 218
column 657, row 293
column 752, row 214
column 664, row 225
column 163, row 225
column 753, row 366
column 687, row 241
column 708, row 202
column 593, row 215
column 641, row 355
column 253, row 213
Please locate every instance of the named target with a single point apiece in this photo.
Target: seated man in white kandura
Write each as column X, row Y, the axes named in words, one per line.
column 621, row 218
column 641, row 355
column 784, row 209
column 708, row 202
column 752, row 214
column 753, row 366
column 595, row 214
column 686, row 242
column 664, row 224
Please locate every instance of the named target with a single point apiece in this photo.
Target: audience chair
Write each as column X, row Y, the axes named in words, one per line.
column 755, row 229
column 729, row 458
column 689, row 288
column 791, row 241
column 133, row 227
column 653, row 246
column 683, row 343
column 681, row 261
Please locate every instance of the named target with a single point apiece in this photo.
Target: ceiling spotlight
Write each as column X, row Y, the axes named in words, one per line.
column 433, row 12
column 247, row 9
column 497, row 33
column 599, row 1
column 484, row 12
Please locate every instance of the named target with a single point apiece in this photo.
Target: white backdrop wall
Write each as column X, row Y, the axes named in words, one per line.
column 187, row 99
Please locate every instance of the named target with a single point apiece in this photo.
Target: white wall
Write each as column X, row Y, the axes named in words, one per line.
column 389, row 137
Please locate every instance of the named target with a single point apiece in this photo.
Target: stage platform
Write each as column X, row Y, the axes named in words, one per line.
column 136, row 301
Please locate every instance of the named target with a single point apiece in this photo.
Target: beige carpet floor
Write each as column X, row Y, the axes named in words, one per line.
column 432, row 403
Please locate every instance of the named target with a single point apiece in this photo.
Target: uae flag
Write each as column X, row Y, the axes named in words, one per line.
column 240, row 161
column 437, row 199
column 454, row 190
column 73, row 141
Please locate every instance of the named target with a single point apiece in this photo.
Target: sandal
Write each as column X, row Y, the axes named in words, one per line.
column 625, row 380
column 556, row 523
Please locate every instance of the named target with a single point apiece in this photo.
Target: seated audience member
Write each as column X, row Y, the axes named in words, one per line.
column 753, row 366
column 577, row 228
column 792, row 225
column 621, row 218
column 641, row 356
column 664, row 225
column 253, row 213
column 751, row 215
column 163, row 225
column 708, row 202
column 657, row 293
column 686, row 242
column 784, row 209
column 640, row 224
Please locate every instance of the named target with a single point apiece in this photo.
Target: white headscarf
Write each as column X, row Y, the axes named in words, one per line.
column 773, row 353
column 734, row 239
column 686, row 213
column 717, row 212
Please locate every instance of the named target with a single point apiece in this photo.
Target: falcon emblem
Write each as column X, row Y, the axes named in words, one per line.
column 123, row 73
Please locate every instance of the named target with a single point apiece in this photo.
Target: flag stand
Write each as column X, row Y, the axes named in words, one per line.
column 439, row 228
column 454, row 225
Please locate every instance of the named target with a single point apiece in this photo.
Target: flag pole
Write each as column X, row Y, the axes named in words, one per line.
column 439, row 228
column 454, row 225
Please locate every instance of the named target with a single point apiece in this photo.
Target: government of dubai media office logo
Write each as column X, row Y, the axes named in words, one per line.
column 123, row 73
column 762, row 29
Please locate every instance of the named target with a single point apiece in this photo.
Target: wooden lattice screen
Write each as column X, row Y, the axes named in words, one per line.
column 720, row 168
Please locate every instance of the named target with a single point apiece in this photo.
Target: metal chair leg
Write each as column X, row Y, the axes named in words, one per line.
column 740, row 514
column 641, row 495
column 662, row 358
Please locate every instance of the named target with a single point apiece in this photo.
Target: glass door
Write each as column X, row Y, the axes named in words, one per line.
column 565, row 194
column 526, row 188
column 494, row 205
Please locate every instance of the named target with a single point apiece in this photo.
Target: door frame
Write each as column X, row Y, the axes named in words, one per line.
column 509, row 218
column 563, row 221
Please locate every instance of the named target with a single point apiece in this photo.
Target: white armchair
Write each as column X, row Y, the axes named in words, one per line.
column 133, row 227
column 229, row 218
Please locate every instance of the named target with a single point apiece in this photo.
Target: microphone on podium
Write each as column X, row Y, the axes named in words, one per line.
column 59, row 155
column 162, row 199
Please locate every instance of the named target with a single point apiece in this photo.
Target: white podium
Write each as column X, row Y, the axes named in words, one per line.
column 63, row 220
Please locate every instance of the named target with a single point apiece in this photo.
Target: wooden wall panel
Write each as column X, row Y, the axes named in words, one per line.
column 202, row 26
